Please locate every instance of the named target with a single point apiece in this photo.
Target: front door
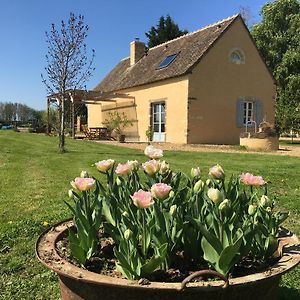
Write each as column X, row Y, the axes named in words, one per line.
column 158, row 122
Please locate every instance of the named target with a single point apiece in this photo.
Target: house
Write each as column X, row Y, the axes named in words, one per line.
column 204, row 87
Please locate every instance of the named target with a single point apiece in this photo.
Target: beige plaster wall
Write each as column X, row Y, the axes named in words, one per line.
column 173, row 91
column 216, row 83
column 94, row 115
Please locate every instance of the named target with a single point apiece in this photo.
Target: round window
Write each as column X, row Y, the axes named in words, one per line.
column 236, row 57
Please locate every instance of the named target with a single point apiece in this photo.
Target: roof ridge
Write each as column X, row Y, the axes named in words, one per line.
column 196, row 31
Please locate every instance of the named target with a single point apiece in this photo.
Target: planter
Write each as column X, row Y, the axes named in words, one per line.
column 122, row 138
column 259, row 142
column 77, row 283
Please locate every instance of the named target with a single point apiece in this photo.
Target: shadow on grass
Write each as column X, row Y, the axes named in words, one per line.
column 285, row 293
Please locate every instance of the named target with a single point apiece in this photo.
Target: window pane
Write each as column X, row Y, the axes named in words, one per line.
column 162, row 127
column 156, row 128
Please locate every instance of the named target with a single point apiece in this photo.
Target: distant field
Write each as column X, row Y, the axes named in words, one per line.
column 35, row 179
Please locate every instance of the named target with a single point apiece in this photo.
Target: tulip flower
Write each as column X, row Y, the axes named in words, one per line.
column 83, row 184
column 198, row 186
column 250, row 179
column 142, row 199
column 133, row 165
column 151, row 167
column 104, row 165
column 224, row 205
column 123, row 169
column 84, row 174
column 164, row 168
column 160, row 190
column 265, row 201
column 217, row 172
column 153, row 153
column 195, row 172
column 214, row 195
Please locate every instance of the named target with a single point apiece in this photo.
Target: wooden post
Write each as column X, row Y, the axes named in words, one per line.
column 48, row 116
column 72, row 115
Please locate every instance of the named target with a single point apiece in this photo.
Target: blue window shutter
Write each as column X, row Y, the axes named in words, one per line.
column 258, row 112
column 239, row 112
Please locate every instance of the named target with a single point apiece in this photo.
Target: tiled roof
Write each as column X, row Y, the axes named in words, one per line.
column 190, row 49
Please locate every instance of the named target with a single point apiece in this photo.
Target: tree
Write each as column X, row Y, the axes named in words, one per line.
column 165, row 30
column 68, row 66
column 278, row 39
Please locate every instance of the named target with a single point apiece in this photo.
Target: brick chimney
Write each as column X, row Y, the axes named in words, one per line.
column 137, row 51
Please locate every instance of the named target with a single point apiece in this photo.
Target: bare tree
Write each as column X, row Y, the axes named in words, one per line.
column 68, row 66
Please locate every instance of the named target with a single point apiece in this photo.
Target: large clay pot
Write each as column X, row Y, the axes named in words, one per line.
column 77, row 283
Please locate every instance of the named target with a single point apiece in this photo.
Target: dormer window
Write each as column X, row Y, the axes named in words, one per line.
column 167, row 61
column 236, row 56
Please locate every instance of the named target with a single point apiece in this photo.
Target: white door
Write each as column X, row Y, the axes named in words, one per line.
column 158, row 122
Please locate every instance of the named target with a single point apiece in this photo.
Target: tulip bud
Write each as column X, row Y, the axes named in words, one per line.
column 195, row 172
column 127, row 234
column 224, row 205
column 173, row 210
column 251, row 209
column 84, row 174
column 118, row 181
column 125, row 214
column 171, row 194
column 265, row 201
column 198, row 186
column 214, row 195
column 208, row 182
column 70, row 194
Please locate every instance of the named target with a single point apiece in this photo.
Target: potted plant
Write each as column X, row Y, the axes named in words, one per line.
column 148, row 235
column 116, row 123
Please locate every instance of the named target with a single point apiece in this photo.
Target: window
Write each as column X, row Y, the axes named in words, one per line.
column 248, row 113
column 248, row 108
column 167, row 61
column 158, row 121
column 236, row 56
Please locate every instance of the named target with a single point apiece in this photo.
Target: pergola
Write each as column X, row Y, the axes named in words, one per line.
column 82, row 96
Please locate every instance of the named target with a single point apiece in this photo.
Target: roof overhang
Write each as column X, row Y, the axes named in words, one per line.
column 88, row 97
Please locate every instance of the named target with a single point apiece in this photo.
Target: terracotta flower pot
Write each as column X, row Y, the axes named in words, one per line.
column 77, row 283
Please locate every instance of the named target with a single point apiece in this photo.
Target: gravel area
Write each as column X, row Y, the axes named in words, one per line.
column 284, row 149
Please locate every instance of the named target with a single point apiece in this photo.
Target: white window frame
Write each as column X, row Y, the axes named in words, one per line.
column 248, row 113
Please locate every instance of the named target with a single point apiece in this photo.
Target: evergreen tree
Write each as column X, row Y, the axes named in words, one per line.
column 165, row 30
column 278, row 39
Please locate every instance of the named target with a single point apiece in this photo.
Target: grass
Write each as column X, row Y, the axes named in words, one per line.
column 35, row 180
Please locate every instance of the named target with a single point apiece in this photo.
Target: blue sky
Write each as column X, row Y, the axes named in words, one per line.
column 113, row 25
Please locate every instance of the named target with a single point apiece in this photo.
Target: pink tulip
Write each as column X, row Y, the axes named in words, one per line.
column 123, row 169
column 104, row 165
column 83, row 184
column 153, row 153
column 160, row 190
column 250, row 179
column 151, row 167
column 142, row 199
column 217, row 172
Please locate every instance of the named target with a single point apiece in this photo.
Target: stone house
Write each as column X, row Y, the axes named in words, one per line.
column 204, row 87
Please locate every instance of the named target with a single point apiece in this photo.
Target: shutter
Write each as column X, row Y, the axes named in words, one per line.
column 258, row 112
column 239, row 112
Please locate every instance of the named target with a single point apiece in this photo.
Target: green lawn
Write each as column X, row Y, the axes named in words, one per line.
column 35, row 180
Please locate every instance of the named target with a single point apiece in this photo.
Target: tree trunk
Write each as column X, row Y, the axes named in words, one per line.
column 61, row 147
